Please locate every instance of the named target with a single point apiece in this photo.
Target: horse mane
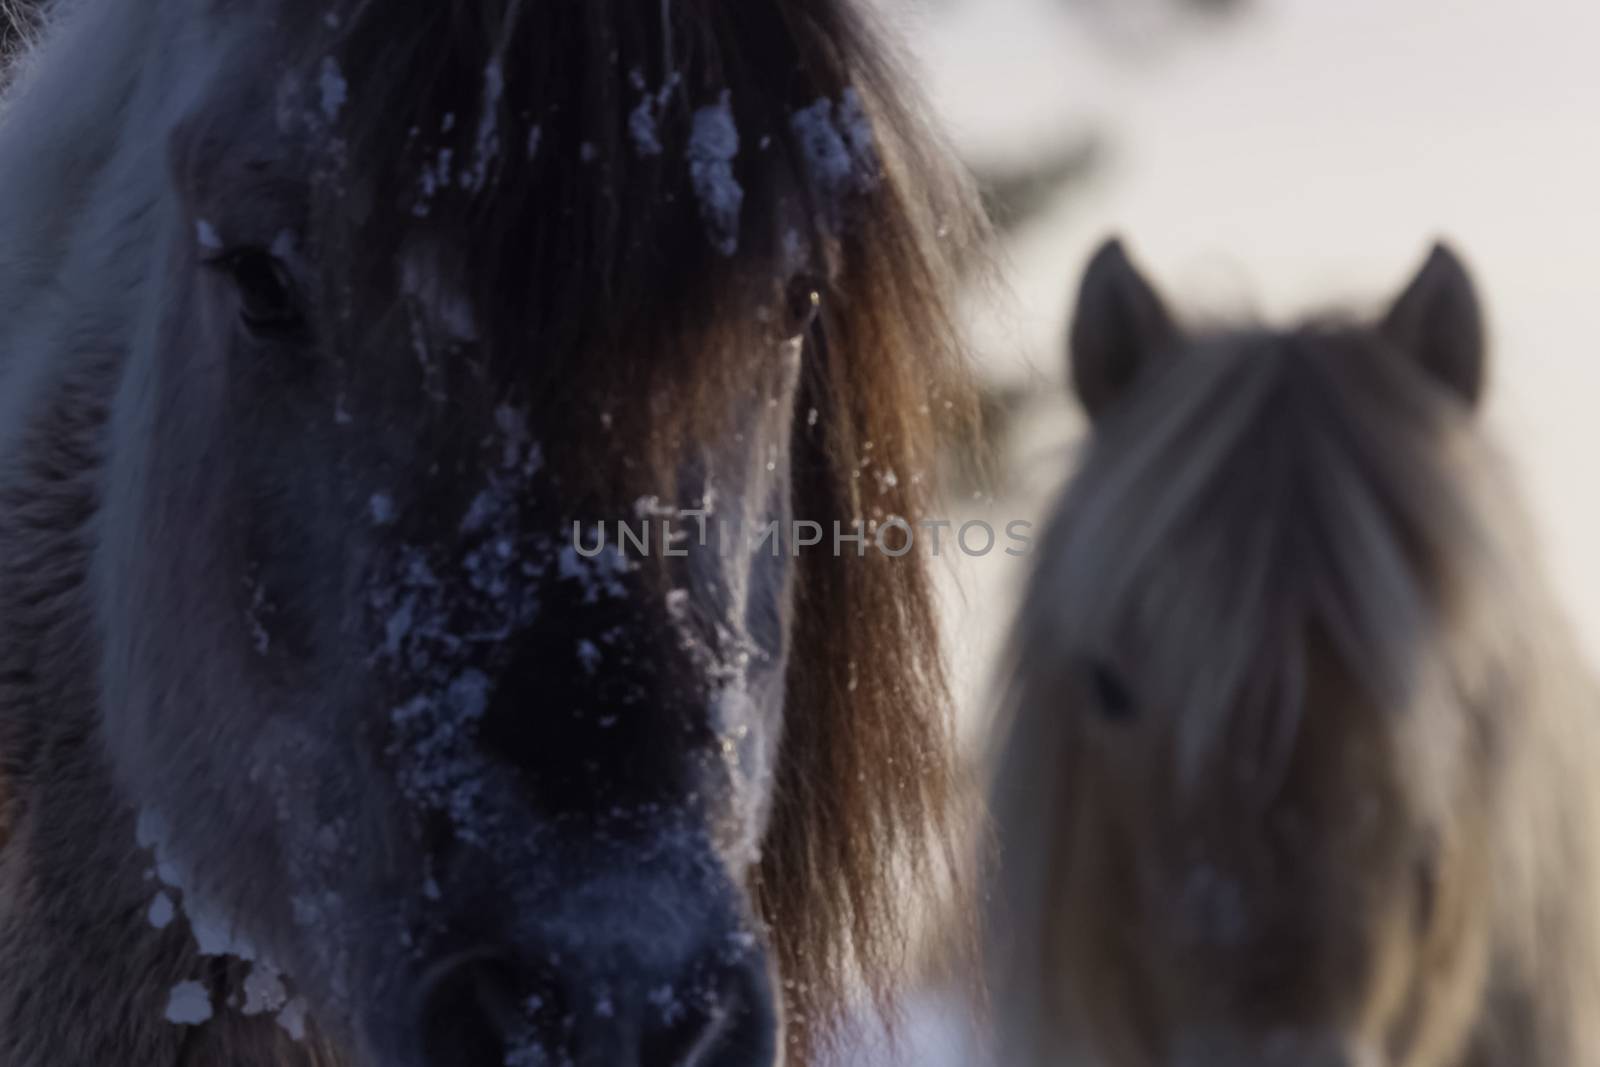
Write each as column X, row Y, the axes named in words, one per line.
column 866, row 793
column 1283, row 482
column 19, row 20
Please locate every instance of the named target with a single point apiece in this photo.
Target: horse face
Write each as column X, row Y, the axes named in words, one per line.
column 1277, row 810
column 479, row 789
column 1332, row 915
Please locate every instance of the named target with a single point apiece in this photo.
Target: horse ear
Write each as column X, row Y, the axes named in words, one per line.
column 1119, row 327
column 1438, row 323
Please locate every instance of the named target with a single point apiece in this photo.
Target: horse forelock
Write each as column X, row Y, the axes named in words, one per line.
column 1275, row 492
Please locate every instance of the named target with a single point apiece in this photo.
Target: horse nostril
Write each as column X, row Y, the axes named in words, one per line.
column 726, row 1019
column 484, row 1010
column 476, row 1010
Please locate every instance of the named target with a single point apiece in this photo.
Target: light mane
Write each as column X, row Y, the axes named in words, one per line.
column 1265, row 483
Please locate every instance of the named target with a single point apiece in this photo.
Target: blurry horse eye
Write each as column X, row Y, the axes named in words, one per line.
column 1110, row 692
column 267, row 302
column 804, row 304
column 1427, row 887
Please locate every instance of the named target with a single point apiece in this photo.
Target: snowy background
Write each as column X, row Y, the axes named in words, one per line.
column 1286, row 156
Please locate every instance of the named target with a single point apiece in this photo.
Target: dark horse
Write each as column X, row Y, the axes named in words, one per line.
column 329, row 333
column 1299, row 766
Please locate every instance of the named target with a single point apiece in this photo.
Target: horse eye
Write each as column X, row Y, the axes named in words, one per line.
column 267, row 301
column 1110, row 692
column 1427, row 874
column 804, row 304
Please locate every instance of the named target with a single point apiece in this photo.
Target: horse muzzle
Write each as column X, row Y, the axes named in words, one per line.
column 488, row 1010
column 631, row 972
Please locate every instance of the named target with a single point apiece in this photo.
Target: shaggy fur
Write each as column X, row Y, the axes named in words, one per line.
column 624, row 314
column 1297, row 764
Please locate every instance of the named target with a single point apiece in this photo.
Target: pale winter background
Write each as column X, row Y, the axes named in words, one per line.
column 1287, row 156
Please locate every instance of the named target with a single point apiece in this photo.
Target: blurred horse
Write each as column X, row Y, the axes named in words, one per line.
column 1297, row 769
column 327, row 327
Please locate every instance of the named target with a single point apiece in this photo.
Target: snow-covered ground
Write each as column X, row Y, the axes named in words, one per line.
column 1302, row 155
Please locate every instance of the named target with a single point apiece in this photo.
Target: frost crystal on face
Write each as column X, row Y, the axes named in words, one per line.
column 151, row 829
column 293, row 1018
column 527, row 1053
column 642, row 120
column 665, row 1000
column 837, row 146
column 441, row 611
column 434, row 178
column 381, row 506
column 483, row 509
column 284, row 245
column 188, row 1004
column 713, row 147
column 152, row 834
column 856, row 126
column 436, row 734
column 487, row 145
column 206, row 234
column 263, row 990
column 332, row 86
column 434, row 304
column 216, row 934
column 642, row 125
column 598, row 575
column 796, row 251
